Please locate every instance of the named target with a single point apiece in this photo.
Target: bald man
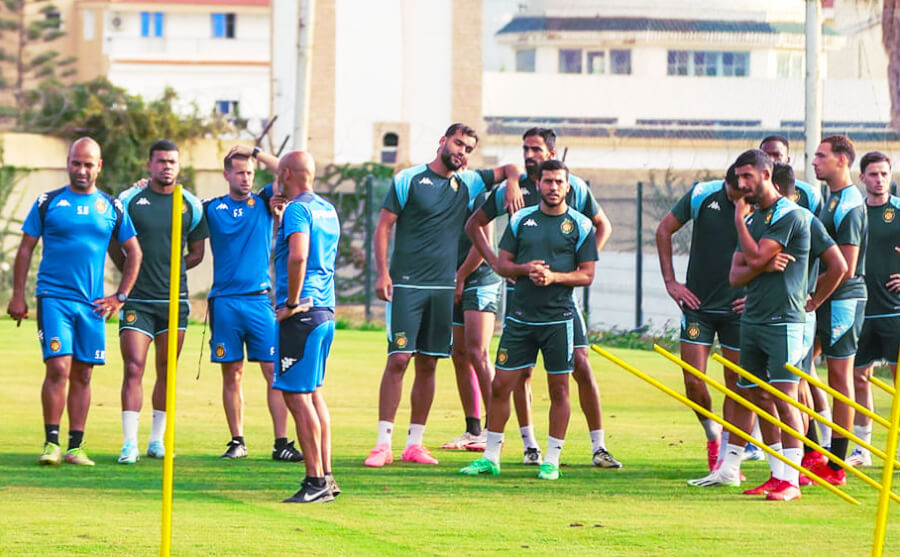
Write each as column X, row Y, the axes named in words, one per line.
column 306, row 246
column 77, row 222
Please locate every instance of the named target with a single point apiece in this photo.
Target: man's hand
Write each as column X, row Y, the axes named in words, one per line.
column 742, row 208
column 737, row 305
column 277, row 201
column 384, row 288
column 893, row 285
column 107, row 307
column 682, row 295
column 284, row 312
column 780, row 262
column 541, row 275
column 458, row 291
column 17, row 309
column 514, row 199
column 142, row 183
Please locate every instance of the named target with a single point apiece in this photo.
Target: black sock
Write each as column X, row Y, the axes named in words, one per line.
column 75, row 438
column 280, row 443
column 51, row 433
column 838, row 449
column 238, row 438
column 316, row 482
column 813, row 435
column 473, row 426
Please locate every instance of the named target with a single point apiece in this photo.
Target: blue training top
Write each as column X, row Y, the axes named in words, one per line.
column 240, row 235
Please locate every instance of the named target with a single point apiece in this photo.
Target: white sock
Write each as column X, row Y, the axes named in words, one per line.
column 385, row 429
column 757, row 433
column 416, row 434
column 158, row 426
column 792, row 475
column 493, row 446
column 723, row 446
column 712, row 429
column 598, row 440
column 775, row 465
column 554, row 447
column 528, row 439
column 864, row 432
column 130, row 420
column 824, row 430
column 731, row 464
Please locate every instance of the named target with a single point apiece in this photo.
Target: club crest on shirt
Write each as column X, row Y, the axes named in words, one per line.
column 454, row 183
column 100, row 205
column 567, row 226
column 400, row 340
column 220, row 350
column 832, row 204
column 502, row 356
column 55, row 345
column 693, row 330
column 795, row 197
column 130, row 317
column 768, row 217
column 889, row 214
column 251, row 202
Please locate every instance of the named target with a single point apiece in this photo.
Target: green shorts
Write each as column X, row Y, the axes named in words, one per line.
column 419, row 320
column 701, row 327
column 838, row 326
column 879, row 341
column 521, row 341
column 151, row 318
column 766, row 348
column 483, row 298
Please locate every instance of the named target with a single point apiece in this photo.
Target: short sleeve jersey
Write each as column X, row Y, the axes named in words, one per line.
column 483, row 274
column 712, row 244
column 579, row 197
column 844, row 217
column 310, row 214
column 240, row 235
column 76, row 229
column 563, row 242
column 882, row 261
column 430, row 210
column 819, row 242
column 151, row 213
column 807, row 196
column 774, row 298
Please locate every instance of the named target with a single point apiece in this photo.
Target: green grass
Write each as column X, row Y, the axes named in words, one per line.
column 233, row 508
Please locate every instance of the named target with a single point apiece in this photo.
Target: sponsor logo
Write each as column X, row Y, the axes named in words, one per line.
column 222, row 206
column 400, row 340
column 526, row 192
column 130, row 317
column 502, row 356
column 251, row 202
column 142, row 201
column 286, row 363
column 40, row 335
column 100, row 205
column 567, row 226
column 118, row 205
column 55, row 345
column 220, row 350
column 426, row 181
column 529, row 222
column 714, row 205
column 693, row 330
column 63, row 203
column 889, row 214
column 271, row 351
column 454, row 183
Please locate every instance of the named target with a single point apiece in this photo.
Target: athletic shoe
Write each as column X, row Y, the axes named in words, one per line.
column 235, row 449
column 332, row 485
column 603, row 459
column 813, row 459
column 479, row 444
column 860, row 457
column 769, row 485
column 51, row 455
column 309, row 493
column 830, row 475
column 805, row 480
column 532, row 456
column 418, row 454
column 548, row 471
column 712, row 453
column 129, row 454
column 288, row 453
column 716, row 478
column 156, row 449
column 752, row 452
column 78, row 456
column 463, row 442
column 379, row 456
column 480, row 466
column 784, row 491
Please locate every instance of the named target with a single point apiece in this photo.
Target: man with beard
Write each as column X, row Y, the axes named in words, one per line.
column 77, row 223
column 538, row 146
column 549, row 249
column 428, row 204
column 144, row 317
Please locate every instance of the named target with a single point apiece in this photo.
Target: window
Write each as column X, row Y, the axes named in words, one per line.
column 620, row 62
column 596, row 62
column 52, row 18
column 678, row 62
column 570, row 60
column 151, row 24
column 525, row 60
column 789, row 64
column 227, row 108
column 389, row 144
column 223, row 26
column 708, row 63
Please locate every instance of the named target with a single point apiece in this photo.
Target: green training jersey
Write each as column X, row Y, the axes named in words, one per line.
column 712, row 244
column 430, row 210
column 151, row 213
column 562, row 242
column 775, row 298
column 483, row 274
column 844, row 217
column 807, row 196
column 882, row 261
column 819, row 242
column 579, row 197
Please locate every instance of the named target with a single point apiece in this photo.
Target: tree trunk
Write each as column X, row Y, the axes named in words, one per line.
column 890, row 38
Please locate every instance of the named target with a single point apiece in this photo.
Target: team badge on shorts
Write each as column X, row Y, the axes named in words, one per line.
column 502, row 356
column 567, row 226
column 888, row 214
column 693, row 330
column 100, row 205
column 55, row 345
column 130, row 317
column 251, row 202
column 220, row 350
column 400, row 340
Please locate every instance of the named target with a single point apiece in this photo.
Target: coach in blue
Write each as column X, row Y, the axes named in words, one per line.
column 76, row 222
column 306, row 247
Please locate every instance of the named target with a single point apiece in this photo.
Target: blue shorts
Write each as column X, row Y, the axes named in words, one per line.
column 70, row 328
column 304, row 341
column 239, row 320
column 483, row 298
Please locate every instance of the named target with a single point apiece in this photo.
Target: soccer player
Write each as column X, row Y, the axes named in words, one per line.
column 240, row 311
column 840, row 319
column 428, row 205
column 549, row 249
column 76, row 222
column 538, row 146
column 144, row 317
column 772, row 259
column 305, row 251
column 708, row 303
column 880, row 334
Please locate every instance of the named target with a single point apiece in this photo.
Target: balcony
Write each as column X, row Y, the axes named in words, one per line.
column 187, row 50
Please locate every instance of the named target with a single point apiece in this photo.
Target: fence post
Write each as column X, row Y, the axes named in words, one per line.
column 639, row 258
column 370, row 196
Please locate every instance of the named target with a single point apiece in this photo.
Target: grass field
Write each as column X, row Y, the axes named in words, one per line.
column 233, row 508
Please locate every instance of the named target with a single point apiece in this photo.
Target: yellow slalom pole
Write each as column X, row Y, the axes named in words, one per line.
column 709, row 415
column 809, row 412
column 887, row 475
column 768, row 417
column 839, row 396
column 882, row 385
column 165, row 545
